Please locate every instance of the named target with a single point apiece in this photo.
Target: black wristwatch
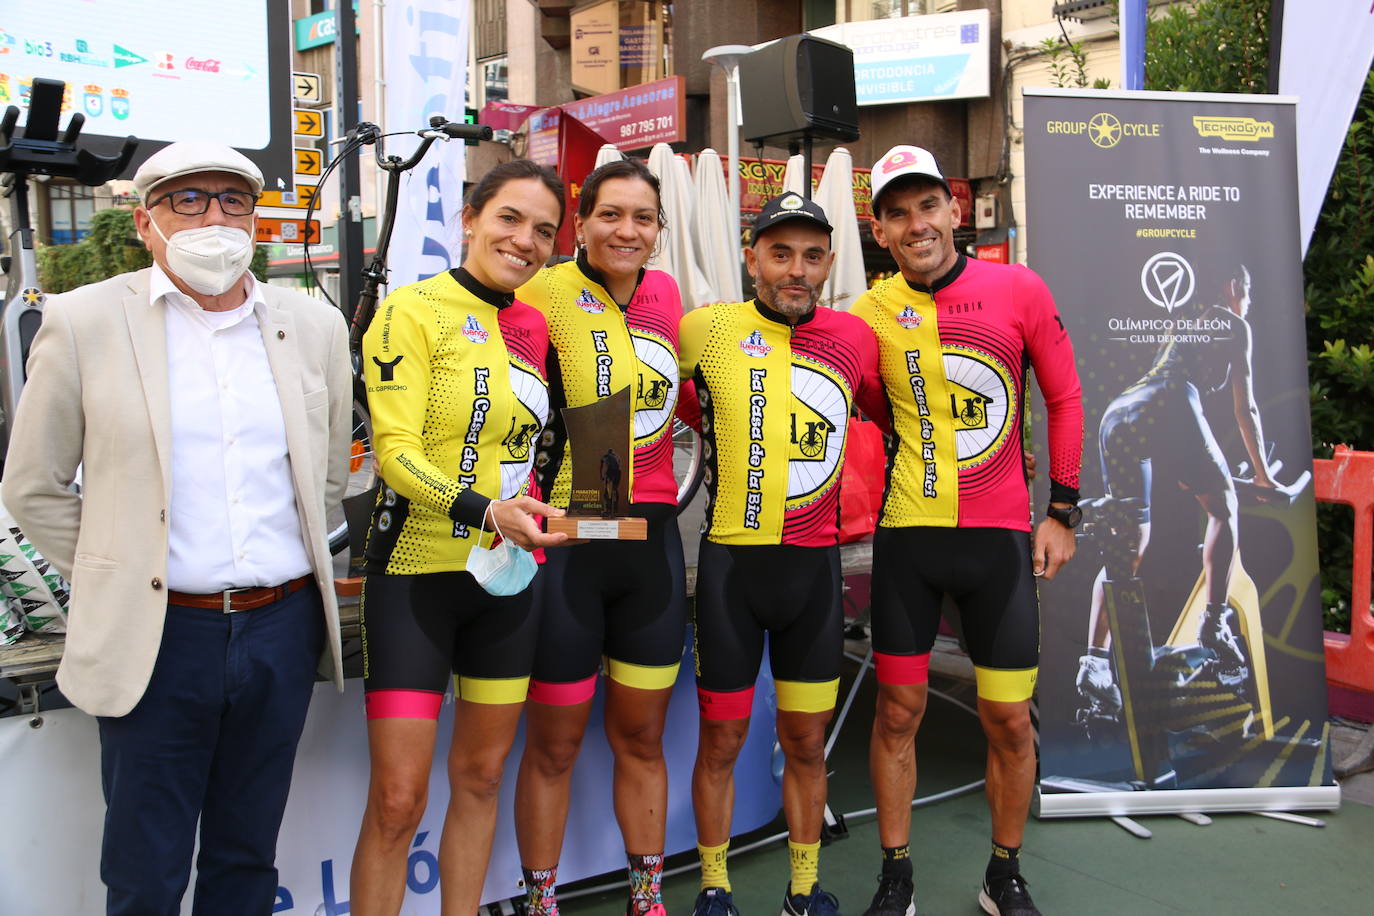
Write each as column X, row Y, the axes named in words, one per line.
column 1068, row 516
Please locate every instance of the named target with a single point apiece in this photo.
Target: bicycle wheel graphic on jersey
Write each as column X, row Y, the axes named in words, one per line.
column 820, row 412
column 982, row 403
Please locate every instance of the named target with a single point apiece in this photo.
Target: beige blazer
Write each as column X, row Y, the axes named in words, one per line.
column 97, row 397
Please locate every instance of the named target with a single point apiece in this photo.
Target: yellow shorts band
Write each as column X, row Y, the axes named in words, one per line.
column 643, row 677
column 807, row 696
column 491, row 691
column 1002, row 685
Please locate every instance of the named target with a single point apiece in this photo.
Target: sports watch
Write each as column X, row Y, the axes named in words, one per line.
column 1068, row 516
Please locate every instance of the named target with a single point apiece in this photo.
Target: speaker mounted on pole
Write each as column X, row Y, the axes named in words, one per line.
column 799, row 88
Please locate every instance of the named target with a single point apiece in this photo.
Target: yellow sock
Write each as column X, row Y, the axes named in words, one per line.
column 713, row 873
column 806, row 865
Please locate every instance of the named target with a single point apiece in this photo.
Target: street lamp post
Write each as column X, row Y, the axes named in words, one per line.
column 727, row 58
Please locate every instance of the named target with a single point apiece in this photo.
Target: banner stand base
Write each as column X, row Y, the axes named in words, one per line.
column 1082, row 798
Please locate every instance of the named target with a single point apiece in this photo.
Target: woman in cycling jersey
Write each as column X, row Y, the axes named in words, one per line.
column 612, row 324
column 456, row 383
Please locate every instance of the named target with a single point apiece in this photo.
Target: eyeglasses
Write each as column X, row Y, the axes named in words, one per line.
column 194, row 201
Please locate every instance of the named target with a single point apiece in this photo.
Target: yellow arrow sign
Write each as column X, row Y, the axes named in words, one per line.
column 309, row 161
column 299, row 199
column 308, row 123
column 306, row 87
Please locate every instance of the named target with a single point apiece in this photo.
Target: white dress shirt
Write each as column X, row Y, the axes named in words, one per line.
column 232, row 518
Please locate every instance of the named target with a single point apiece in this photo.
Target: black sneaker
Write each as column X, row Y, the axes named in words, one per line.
column 715, row 901
column 894, row 897
column 1007, row 897
column 816, row 903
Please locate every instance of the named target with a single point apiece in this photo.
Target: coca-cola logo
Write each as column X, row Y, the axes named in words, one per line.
column 205, row 65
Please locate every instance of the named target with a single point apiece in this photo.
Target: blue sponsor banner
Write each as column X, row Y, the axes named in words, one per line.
column 900, row 81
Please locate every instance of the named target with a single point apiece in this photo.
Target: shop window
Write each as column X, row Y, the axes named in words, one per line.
column 70, row 207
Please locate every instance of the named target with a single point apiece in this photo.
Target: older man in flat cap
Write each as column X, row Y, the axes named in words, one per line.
column 209, row 414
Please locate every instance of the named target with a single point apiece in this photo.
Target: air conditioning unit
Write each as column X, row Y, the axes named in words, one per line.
column 1083, row 9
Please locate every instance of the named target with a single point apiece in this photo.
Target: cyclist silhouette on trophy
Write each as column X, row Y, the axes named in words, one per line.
column 610, row 483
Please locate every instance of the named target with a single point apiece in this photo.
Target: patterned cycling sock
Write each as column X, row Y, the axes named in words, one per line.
column 805, row 859
column 646, row 883
column 540, row 899
column 713, row 873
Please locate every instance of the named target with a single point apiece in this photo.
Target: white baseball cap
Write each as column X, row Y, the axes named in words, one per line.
column 900, row 161
column 177, row 159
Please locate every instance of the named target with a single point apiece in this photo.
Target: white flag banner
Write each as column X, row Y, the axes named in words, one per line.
column 424, row 54
column 1326, row 54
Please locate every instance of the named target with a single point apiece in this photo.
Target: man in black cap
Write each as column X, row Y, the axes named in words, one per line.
column 775, row 379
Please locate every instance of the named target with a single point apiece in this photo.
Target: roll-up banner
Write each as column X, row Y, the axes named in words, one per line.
column 1182, row 665
column 425, row 60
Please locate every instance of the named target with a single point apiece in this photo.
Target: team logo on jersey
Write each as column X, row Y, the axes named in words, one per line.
column 388, row 368
column 968, row 407
column 588, row 302
column 473, row 330
column 652, row 390
column 519, row 437
column 755, row 345
column 982, row 404
column 908, row 318
column 810, row 433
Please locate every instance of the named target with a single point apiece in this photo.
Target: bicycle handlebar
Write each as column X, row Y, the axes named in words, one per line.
column 374, row 274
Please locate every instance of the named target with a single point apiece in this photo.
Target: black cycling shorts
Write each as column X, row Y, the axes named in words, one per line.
column 418, row 630
column 624, row 600
column 987, row 572
column 1157, row 432
column 792, row 594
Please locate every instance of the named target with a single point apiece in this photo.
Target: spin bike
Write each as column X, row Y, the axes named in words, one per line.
column 1177, row 689
column 41, row 151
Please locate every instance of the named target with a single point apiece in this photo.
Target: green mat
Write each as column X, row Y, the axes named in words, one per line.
column 1239, row 864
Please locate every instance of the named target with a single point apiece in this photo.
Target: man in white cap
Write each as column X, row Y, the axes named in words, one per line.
column 955, row 337
column 209, row 414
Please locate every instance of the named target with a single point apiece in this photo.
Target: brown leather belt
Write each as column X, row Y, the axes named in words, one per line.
column 240, row 599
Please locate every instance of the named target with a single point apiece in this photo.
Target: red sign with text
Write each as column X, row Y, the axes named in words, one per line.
column 632, row 118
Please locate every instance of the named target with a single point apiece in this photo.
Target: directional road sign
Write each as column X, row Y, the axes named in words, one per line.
column 299, row 199
column 309, row 161
column 273, row 229
column 308, row 123
column 307, row 88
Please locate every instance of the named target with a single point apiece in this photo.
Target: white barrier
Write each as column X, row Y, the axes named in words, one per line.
column 50, row 846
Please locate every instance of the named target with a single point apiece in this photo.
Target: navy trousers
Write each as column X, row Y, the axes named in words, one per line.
column 212, row 740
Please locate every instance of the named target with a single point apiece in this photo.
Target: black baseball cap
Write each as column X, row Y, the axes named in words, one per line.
column 790, row 206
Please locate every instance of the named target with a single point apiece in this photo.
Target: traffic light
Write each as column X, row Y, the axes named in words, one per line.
column 470, row 117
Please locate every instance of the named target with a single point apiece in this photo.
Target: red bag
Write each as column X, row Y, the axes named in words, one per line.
column 861, row 480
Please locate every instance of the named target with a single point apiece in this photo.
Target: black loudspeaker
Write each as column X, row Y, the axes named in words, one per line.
column 796, row 87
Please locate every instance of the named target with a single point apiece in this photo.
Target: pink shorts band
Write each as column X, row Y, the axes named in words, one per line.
column 719, row 706
column 568, row 693
column 902, row 670
column 402, row 704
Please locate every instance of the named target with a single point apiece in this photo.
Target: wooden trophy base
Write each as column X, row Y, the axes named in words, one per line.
column 596, row 528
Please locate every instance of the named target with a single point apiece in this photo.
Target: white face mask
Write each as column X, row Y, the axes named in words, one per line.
column 210, row 259
column 502, row 570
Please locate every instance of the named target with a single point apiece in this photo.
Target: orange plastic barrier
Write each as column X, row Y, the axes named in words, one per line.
column 1348, row 478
